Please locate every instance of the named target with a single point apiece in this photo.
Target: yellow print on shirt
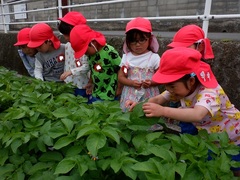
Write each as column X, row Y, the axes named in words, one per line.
column 218, row 117
column 228, row 104
column 214, row 129
column 218, row 100
column 199, row 96
column 188, row 103
column 237, row 116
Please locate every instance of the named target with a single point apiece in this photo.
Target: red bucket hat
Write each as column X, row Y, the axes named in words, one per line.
column 177, row 62
column 40, row 33
column 73, row 18
column 23, row 37
column 190, row 34
column 80, row 37
column 144, row 25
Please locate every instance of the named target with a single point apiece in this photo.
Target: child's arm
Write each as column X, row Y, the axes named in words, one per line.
column 38, row 70
column 89, row 86
column 195, row 114
column 122, row 78
column 157, row 100
column 65, row 75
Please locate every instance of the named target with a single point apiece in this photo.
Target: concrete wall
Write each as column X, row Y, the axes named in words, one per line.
column 145, row 8
column 225, row 65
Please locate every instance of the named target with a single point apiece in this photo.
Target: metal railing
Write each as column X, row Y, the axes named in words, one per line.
column 205, row 17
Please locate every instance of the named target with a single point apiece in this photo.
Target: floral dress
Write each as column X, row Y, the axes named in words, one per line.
column 137, row 95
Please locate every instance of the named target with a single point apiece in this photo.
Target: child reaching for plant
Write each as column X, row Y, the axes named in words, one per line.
column 203, row 101
column 75, row 71
column 103, row 60
column 139, row 62
column 191, row 36
column 49, row 63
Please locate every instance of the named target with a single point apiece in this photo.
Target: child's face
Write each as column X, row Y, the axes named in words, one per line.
column 91, row 50
column 45, row 47
column 139, row 45
column 28, row 51
column 178, row 89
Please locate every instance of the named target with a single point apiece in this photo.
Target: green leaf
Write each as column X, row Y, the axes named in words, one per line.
column 82, row 168
column 116, row 165
column 128, row 171
column 63, row 142
column 86, row 130
column 163, row 153
column 38, row 167
column 152, row 136
column 190, row 140
column 8, row 168
column 138, row 111
column 65, row 166
column 95, row 142
column 51, row 156
column 57, row 131
column 180, row 168
column 112, row 133
column 16, row 143
column 61, row 112
column 68, row 124
column 4, row 156
column 146, row 166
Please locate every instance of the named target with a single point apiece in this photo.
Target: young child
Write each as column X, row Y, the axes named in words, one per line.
column 26, row 54
column 139, row 62
column 191, row 36
column 103, row 60
column 49, row 64
column 203, row 101
column 73, row 73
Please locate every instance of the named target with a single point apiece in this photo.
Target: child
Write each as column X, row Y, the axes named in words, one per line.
column 103, row 60
column 193, row 36
column 78, row 76
column 26, row 54
column 50, row 58
column 139, row 62
column 203, row 101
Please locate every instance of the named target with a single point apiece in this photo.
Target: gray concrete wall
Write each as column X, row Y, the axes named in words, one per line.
column 145, row 8
column 225, row 65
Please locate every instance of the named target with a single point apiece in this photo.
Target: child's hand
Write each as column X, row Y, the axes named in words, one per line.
column 136, row 84
column 152, row 109
column 130, row 104
column 65, row 75
column 89, row 88
column 146, row 83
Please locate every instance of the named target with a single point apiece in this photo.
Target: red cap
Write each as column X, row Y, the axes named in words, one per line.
column 80, row 37
column 144, row 25
column 177, row 62
column 73, row 18
column 23, row 37
column 139, row 23
column 40, row 33
column 190, row 34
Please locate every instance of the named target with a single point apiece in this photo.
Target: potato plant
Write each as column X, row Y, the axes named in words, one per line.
column 48, row 133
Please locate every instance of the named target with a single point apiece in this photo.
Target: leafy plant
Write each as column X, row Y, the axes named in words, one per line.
column 48, row 133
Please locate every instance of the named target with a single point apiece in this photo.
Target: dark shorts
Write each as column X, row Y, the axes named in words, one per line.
column 94, row 99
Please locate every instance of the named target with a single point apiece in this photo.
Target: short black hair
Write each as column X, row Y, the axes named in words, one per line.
column 64, row 28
